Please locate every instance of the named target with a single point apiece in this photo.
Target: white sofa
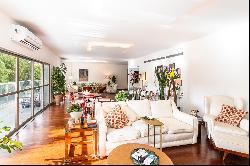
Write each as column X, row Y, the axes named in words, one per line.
column 179, row 128
column 228, row 138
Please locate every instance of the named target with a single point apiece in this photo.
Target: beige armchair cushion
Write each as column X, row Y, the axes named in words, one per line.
column 231, row 142
column 226, row 128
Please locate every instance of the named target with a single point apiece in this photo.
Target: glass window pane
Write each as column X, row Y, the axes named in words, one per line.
column 46, row 74
column 46, row 95
column 38, row 99
column 7, row 73
column 38, row 75
column 8, row 111
column 24, row 74
column 25, row 107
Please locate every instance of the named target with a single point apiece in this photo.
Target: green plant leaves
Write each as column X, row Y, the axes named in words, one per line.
column 8, row 144
column 74, row 108
column 58, row 79
column 121, row 96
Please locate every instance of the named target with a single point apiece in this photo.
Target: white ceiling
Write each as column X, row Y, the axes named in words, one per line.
column 149, row 25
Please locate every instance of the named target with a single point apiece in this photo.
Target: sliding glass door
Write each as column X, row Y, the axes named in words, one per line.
column 8, row 98
column 24, row 89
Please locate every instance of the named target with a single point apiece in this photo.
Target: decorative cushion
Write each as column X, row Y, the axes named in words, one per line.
column 108, row 106
column 141, row 107
column 116, row 118
column 132, row 115
column 176, row 126
column 124, row 134
column 230, row 115
column 161, row 108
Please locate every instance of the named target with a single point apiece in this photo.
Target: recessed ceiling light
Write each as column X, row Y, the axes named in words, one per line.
column 108, row 44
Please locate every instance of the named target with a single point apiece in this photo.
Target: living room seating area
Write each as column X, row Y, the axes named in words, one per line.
column 128, row 82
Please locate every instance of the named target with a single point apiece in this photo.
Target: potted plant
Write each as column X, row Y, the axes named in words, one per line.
column 75, row 111
column 59, row 82
column 121, row 96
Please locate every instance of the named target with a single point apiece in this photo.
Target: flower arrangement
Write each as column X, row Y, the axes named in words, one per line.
column 162, row 76
column 166, row 76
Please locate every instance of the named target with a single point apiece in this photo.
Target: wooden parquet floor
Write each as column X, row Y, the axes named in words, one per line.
column 43, row 140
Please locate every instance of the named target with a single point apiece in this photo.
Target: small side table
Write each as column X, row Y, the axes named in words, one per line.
column 71, row 141
column 155, row 123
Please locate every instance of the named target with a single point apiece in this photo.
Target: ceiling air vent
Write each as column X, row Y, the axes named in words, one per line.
column 25, row 37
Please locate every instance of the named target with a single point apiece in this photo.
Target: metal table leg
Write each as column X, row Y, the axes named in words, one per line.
column 154, row 136
column 161, row 138
column 148, row 134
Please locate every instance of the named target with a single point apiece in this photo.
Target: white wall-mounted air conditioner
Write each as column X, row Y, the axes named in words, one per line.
column 25, row 37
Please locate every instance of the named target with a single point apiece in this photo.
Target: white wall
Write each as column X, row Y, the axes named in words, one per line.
column 149, row 68
column 44, row 54
column 97, row 72
column 217, row 64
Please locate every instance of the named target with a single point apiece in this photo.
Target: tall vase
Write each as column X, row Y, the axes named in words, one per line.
column 162, row 92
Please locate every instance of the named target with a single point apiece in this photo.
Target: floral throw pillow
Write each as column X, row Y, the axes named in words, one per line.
column 116, row 118
column 230, row 115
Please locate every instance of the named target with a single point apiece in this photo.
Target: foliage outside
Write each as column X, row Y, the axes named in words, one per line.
column 75, row 107
column 8, row 144
column 59, row 79
column 121, row 96
column 8, row 69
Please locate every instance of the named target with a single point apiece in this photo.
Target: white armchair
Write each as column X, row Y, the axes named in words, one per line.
column 213, row 106
column 227, row 138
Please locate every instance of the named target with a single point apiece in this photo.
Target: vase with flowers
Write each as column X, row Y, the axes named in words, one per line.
column 162, row 76
column 166, row 76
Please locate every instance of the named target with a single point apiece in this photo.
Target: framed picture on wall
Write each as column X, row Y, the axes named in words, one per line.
column 83, row 74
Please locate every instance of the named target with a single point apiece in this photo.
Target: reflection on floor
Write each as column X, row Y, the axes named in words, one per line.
column 43, row 140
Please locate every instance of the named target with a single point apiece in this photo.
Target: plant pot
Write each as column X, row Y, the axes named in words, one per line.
column 76, row 115
column 58, row 99
column 61, row 98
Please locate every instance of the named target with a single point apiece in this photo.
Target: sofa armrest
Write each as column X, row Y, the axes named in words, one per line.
column 189, row 119
column 184, row 117
column 209, row 119
column 102, row 133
